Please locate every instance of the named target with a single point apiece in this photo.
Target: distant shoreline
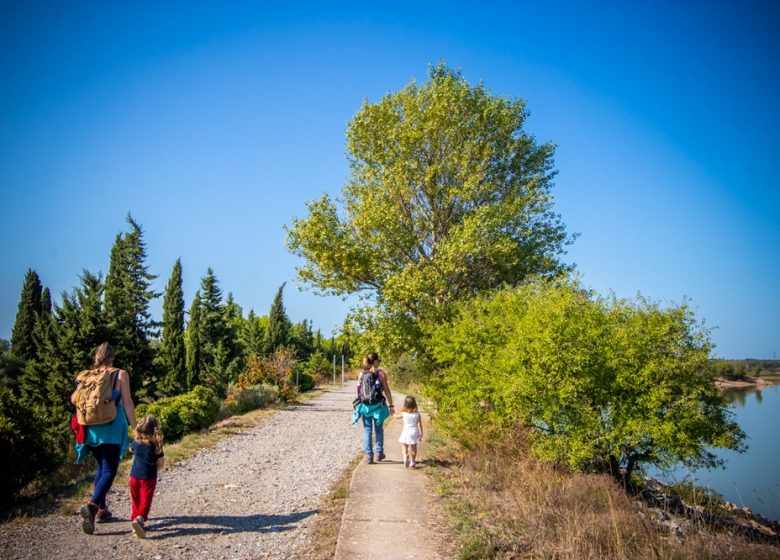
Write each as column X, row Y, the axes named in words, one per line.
column 744, row 382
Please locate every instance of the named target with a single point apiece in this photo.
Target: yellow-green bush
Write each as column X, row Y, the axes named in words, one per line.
column 183, row 414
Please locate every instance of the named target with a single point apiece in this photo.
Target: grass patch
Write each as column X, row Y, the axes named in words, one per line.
column 501, row 503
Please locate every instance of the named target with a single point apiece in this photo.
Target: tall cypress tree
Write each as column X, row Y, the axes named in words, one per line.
column 172, row 354
column 278, row 323
column 22, row 343
column 193, row 343
column 128, row 294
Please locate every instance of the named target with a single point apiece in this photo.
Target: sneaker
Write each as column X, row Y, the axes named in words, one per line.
column 370, row 459
column 103, row 515
column 380, row 456
column 138, row 527
column 412, row 464
column 88, row 512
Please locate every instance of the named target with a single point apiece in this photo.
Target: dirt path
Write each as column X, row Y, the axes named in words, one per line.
column 251, row 496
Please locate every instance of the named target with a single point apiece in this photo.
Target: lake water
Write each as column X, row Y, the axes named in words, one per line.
column 752, row 478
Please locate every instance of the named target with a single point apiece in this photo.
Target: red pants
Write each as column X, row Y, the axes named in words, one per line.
column 141, row 493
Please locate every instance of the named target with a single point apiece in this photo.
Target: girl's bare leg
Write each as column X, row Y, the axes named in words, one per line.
column 413, row 448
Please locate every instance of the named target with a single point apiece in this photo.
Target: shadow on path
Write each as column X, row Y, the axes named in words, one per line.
column 192, row 525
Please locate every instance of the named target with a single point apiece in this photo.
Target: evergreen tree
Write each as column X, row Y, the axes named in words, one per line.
column 253, row 336
column 22, row 344
column 128, row 294
column 278, row 323
column 172, row 354
column 302, row 339
column 193, row 343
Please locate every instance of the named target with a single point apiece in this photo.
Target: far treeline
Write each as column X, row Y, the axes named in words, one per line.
column 446, row 224
column 735, row 369
column 215, row 346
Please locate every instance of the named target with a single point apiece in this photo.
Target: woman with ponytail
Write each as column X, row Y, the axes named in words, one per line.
column 375, row 403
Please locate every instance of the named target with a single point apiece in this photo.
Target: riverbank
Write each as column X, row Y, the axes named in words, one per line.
column 744, row 382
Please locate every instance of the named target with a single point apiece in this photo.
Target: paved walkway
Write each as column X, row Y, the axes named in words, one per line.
column 389, row 510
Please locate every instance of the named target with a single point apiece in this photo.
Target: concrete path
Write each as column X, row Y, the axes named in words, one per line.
column 388, row 513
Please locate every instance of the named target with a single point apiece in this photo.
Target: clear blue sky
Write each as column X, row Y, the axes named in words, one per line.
column 213, row 123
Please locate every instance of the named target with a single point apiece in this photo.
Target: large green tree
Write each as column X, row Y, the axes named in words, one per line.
column 448, row 196
column 602, row 384
column 193, row 344
column 278, row 323
column 28, row 313
column 172, row 354
column 128, row 294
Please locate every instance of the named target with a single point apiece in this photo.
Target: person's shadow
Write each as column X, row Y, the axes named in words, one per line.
column 191, row 525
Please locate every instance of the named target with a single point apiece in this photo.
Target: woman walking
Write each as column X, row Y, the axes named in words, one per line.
column 374, row 395
column 106, row 442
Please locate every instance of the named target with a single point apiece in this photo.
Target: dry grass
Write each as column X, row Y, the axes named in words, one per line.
column 324, row 530
column 503, row 504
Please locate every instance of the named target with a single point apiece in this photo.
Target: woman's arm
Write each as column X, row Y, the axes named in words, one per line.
column 386, row 388
column 127, row 400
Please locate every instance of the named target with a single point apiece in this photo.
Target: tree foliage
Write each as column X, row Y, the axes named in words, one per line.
column 604, row 384
column 448, row 196
column 278, row 323
column 128, row 294
column 172, row 353
column 28, row 313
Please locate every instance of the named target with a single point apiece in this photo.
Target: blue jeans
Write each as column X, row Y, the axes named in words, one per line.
column 107, row 459
column 370, row 423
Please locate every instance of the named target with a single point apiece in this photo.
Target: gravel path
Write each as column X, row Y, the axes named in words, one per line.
column 253, row 495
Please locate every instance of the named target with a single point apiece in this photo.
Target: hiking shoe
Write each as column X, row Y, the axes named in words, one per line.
column 380, row 456
column 103, row 515
column 138, row 527
column 88, row 512
column 370, row 459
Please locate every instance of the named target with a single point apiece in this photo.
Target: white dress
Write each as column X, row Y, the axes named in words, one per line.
column 410, row 433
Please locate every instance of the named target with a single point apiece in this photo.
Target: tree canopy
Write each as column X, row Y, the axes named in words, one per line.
column 603, row 384
column 448, row 196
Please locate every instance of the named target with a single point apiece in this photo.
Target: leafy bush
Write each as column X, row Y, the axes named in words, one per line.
column 318, row 367
column 241, row 400
column 183, row 414
column 26, row 450
column 305, row 381
column 604, row 384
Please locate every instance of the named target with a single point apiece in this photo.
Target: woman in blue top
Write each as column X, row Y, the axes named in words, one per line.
column 374, row 415
column 107, row 442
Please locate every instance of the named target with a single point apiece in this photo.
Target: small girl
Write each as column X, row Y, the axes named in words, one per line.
column 147, row 458
column 412, row 433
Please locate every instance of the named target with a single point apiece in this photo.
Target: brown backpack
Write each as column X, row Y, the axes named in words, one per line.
column 94, row 398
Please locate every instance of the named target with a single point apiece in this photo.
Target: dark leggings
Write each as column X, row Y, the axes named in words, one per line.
column 107, row 458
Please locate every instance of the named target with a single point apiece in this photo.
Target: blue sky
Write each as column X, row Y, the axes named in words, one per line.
column 214, row 123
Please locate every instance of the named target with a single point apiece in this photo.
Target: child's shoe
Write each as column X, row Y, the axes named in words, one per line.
column 88, row 512
column 138, row 527
column 103, row 515
column 412, row 464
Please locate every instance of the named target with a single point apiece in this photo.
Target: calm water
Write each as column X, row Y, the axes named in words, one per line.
column 752, row 478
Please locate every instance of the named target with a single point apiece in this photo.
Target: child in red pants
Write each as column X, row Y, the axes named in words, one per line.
column 147, row 458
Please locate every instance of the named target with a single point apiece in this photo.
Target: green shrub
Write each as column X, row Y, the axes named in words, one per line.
column 26, row 450
column 241, row 400
column 183, row 414
column 305, row 381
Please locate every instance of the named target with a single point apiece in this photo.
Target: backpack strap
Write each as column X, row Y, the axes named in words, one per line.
column 114, row 380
